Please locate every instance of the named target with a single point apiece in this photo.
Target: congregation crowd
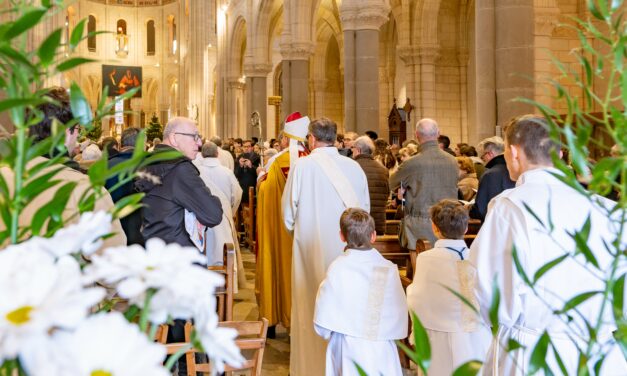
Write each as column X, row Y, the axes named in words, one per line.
column 321, row 201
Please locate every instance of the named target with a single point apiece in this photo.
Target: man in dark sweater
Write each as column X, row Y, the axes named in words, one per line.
column 495, row 179
column 377, row 176
column 246, row 168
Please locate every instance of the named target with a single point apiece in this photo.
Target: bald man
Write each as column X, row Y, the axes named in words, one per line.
column 427, row 178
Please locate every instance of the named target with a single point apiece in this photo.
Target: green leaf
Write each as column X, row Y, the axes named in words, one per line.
column 519, row 268
column 618, row 296
column 48, row 48
column 421, row 354
column 534, row 215
column 35, row 186
column 360, row 370
column 462, row 298
column 53, row 210
column 26, row 22
column 559, row 360
column 494, row 307
column 581, row 240
column 73, row 63
column 576, row 300
column 548, row 266
column 11, row 103
column 513, row 345
column 80, row 106
column 127, row 205
column 537, row 361
column 77, row 33
column 470, row 368
column 97, row 172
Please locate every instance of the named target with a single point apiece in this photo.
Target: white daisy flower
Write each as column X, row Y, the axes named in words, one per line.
column 84, row 236
column 103, row 344
column 181, row 285
column 218, row 343
column 39, row 294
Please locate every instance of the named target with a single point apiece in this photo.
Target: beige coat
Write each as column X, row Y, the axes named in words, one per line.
column 468, row 185
column 70, row 214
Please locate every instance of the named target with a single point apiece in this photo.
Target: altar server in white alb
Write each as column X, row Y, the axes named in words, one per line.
column 457, row 335
column 522, row 217
column 361, row 307
column 318, row 189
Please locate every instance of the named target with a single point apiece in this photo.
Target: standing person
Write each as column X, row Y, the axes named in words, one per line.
column 225, row 157
column 318, row 189
column 132, row 223
column 427, row 178
column 495, row 179
column 274, row 257
column 519, row 218
column 456, row 333
column 246, row 168
column 377, row 176
column 361, row 307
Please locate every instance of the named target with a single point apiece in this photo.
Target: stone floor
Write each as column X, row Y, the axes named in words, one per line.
column 276, row 359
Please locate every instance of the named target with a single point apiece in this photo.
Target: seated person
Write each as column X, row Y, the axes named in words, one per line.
column 456, row 333
column 361, row 307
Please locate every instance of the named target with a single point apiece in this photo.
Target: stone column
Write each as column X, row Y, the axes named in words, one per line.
column 197, row 63
column 410, row 55
column 428, row 54
column 513, row 57
column 485, row 68
column 546, row 19
column 256, row 97
column 319, row 91
column 361, row 21
column 295, row 77
column 462, row 58
column 235, row 122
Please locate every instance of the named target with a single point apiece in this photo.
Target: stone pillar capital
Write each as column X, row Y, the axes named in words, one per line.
column 409, row 54
column 257, row 69
column 364, row 14
column 236, row 83
column 297, row 50
column 429, row 54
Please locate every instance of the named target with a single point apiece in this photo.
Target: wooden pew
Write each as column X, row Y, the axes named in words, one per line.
column 248, row 218
column 225, row 294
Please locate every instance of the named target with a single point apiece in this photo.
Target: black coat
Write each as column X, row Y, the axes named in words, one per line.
column 180, row 188
column 132, row 223
column 247, row 177
column 493, row 181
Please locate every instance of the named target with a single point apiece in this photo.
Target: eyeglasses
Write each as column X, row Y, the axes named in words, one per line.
column 195, row 136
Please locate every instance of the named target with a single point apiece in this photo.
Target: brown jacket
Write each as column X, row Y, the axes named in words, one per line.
column 378, row 188
column 428, row 177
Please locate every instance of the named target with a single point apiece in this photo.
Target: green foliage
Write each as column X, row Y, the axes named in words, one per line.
column 421, row 353
column 154, row 129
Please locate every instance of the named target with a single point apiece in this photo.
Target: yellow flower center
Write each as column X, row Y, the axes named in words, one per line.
column 20, row 316
column 100, row 372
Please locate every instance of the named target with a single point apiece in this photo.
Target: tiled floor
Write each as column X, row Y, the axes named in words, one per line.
column 276, row 359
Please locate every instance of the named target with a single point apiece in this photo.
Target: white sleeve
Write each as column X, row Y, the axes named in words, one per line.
column 491, row 253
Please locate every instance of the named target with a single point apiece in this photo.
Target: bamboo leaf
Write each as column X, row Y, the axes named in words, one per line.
column 494, row 307
column 462, row 298
column 519, row 267
column 77, row 33
column 48, row 48
column 11, row 103
column 80, row 106
column 26, row 22
column 534, row 215
column 581, row 240
column 513, row 345
column 577, row 300
column 470, row 368
column 618, row 296
column 97, row 172
column 360, row 370
column 73, row 63
column 34, row 187
column 559, row 360
column 537, row 361
column 548, row 266
column 421, row 355
column 53, row 210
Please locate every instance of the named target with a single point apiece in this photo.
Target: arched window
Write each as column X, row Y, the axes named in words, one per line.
column 121, row 27
column 91, row 28
column 172, row 35
column 150, row 38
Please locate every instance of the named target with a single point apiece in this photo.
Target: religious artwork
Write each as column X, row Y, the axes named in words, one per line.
column 120, row 79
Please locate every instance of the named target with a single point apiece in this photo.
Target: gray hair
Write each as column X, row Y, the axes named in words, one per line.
column 324, row 130
column 427, row 130
column 494, row 144
column 129, row 136
column 209, row 150
column 270, row 152
column 364, row 144
column 216, row 140
column 174, row 123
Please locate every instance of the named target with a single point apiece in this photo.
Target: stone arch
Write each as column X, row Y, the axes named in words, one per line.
column 268, row 19
column 238, row 47
column 426, row 23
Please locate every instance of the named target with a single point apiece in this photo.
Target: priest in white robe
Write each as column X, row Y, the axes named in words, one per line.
column 318, row 189
column 456, row 333
column 522, row 217
column 361, row 308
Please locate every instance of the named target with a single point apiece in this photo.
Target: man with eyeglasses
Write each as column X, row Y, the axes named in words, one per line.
column 495, row 179
column 246, row 168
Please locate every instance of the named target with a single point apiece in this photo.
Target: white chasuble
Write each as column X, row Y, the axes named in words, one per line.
column 361, row 309
column 456, row 333
column 311, row 209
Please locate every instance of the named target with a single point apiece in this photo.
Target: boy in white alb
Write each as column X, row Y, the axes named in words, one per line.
column 455, row 332
column 361, row 307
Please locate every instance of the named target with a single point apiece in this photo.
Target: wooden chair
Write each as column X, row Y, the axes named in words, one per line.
column 390, row 247
column 225, row 294
column 474, row 225
column 390, row 214
column 469, row 239
column 251, row 340
column 248, row 218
